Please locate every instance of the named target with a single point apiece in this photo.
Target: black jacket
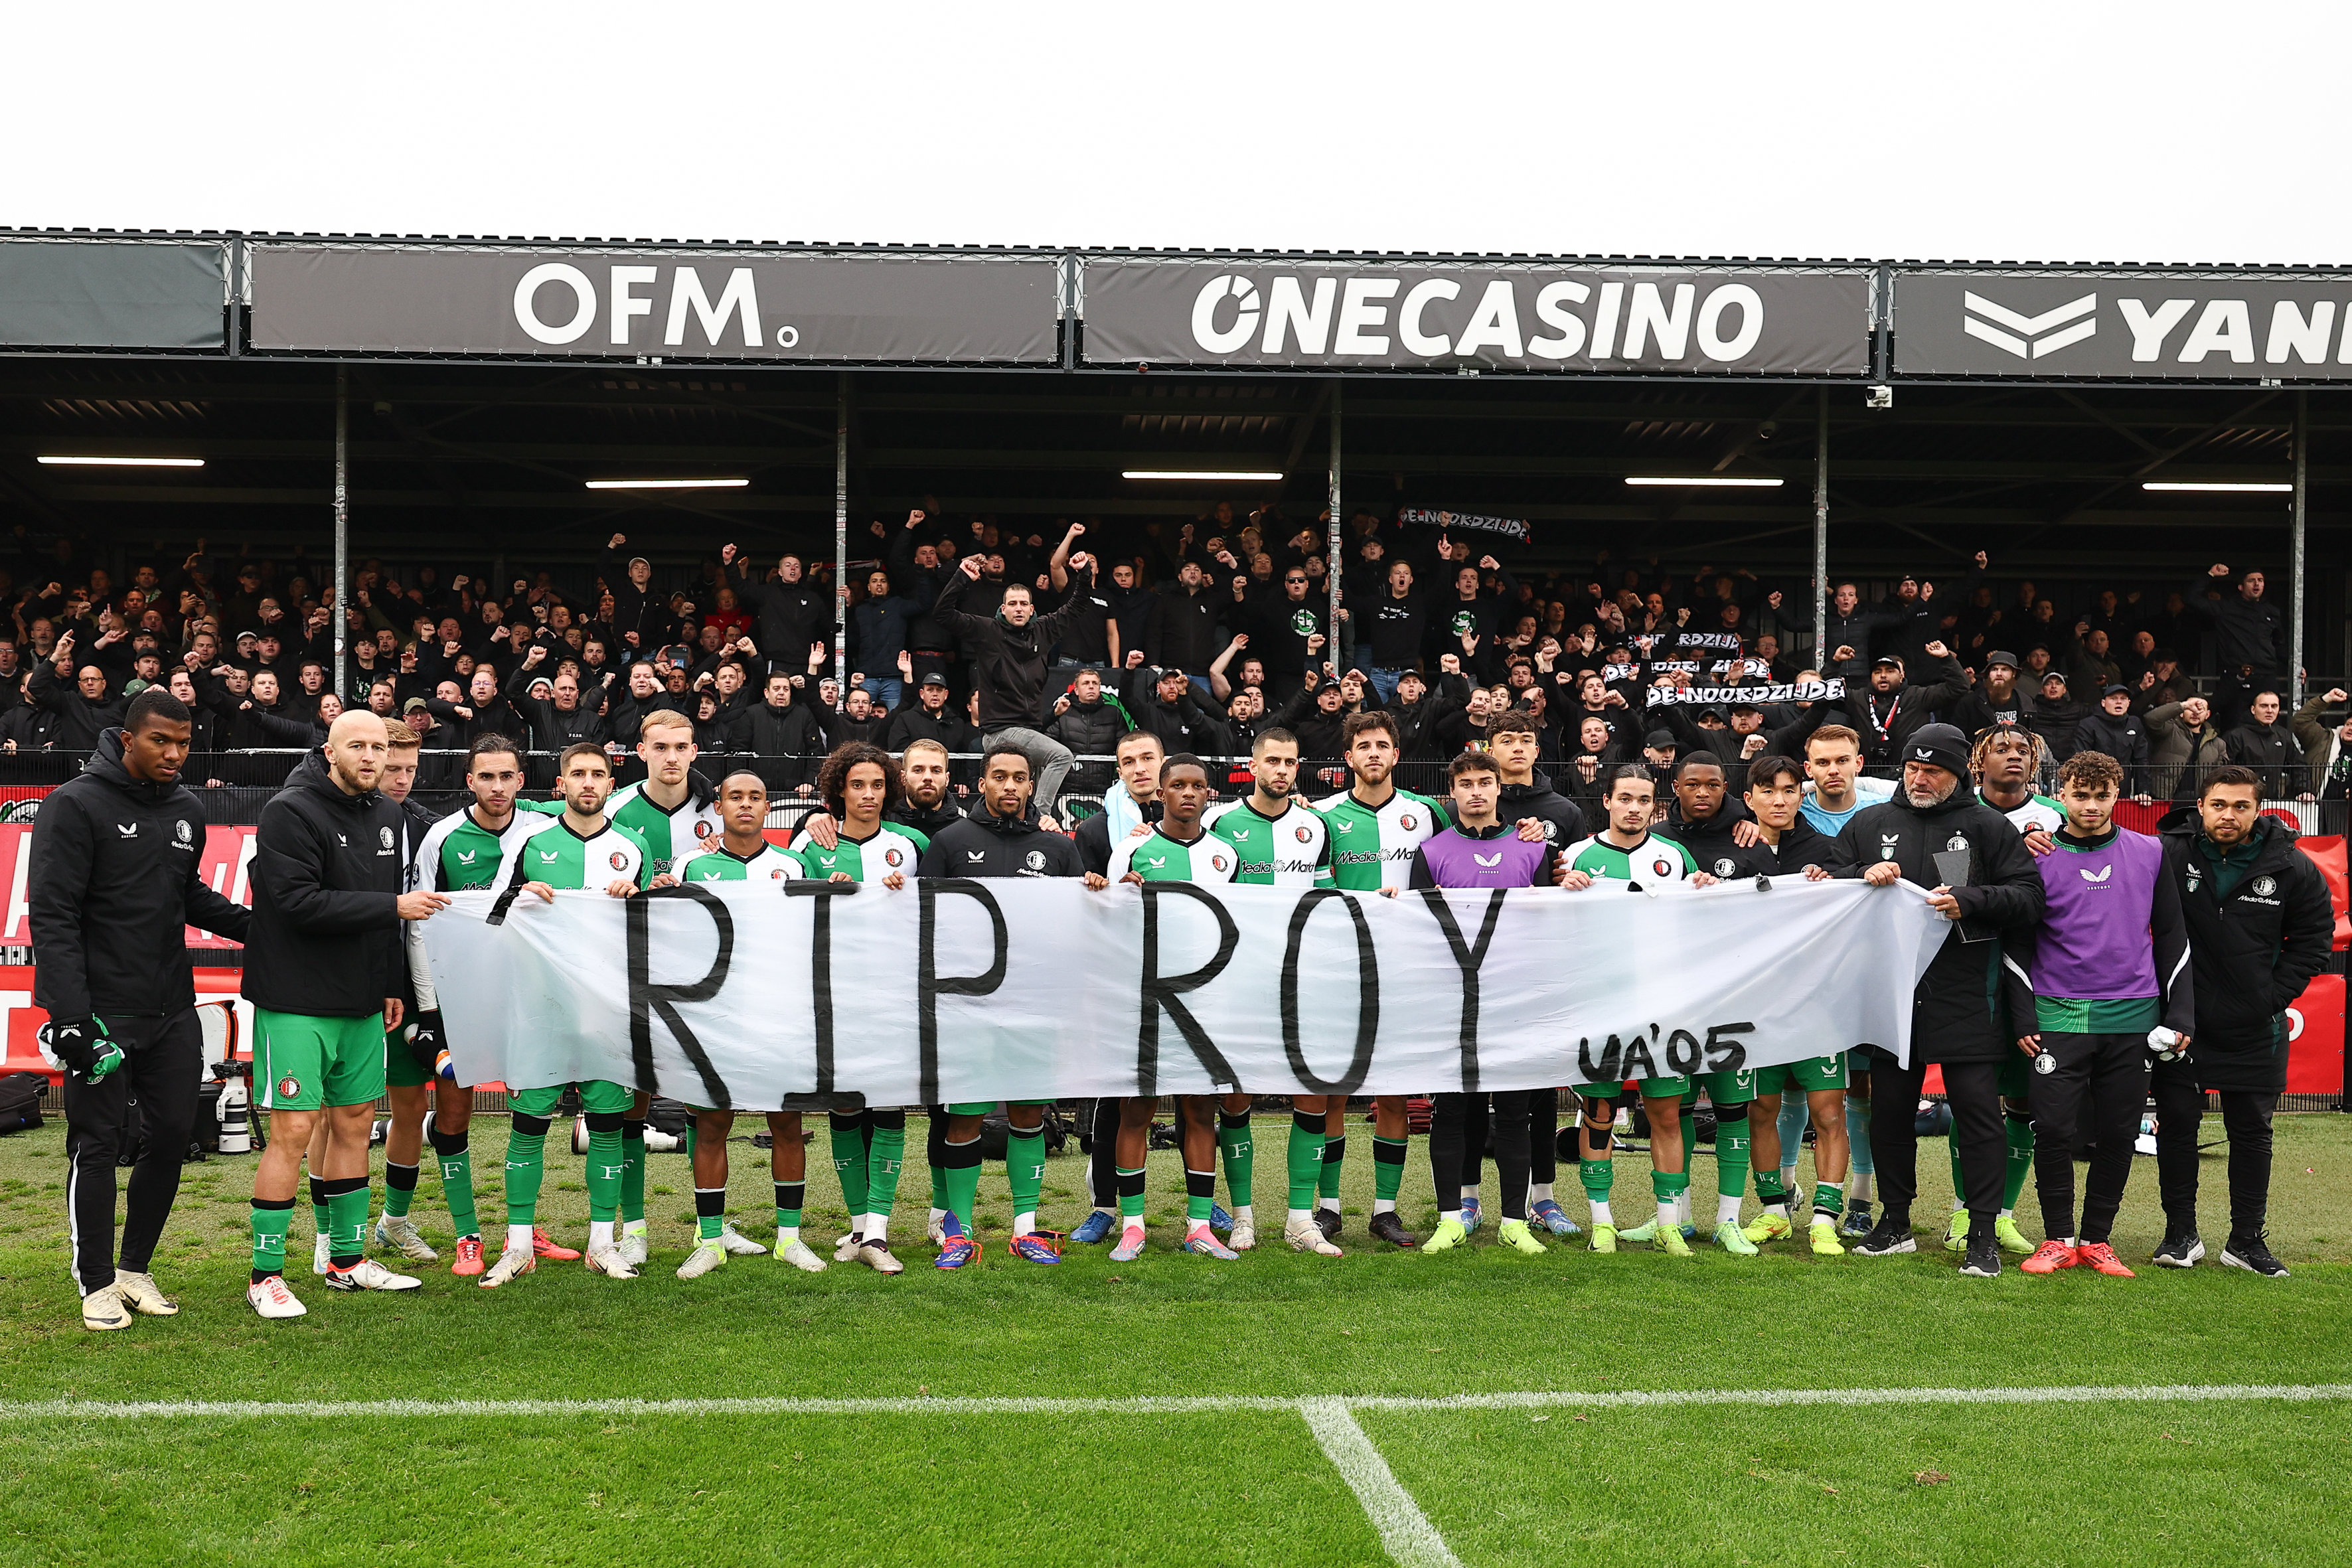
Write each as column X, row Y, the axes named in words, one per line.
column 2124, row 739
column 553, row 729
column 986, row 845
column 1802, row 846
column 1090, row 729
column 80, row 722
column 1562, row 818
column 1182, row 630
column 1184, row 725
column 326, row 938
column 2273, row 752
column 1709, row 841
column 2246, row 633
column 1008, row 663
column 1093, row 837
column 2253, row 953
column 1887, row 719
column 786, row 740
column 1953, row 1008
column 116, row 873
column 793, row 616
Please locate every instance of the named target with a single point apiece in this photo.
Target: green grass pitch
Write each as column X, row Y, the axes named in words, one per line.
column 1586, row 1478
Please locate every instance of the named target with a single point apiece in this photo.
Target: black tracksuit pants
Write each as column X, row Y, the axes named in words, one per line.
column 2245, row 1116
column 1974, row 1092
column 1454, row 1119
column 163, row 1061
column 2106, row 1077
column 1101, row 1165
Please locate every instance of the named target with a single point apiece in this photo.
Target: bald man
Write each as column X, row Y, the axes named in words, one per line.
column 323, row 964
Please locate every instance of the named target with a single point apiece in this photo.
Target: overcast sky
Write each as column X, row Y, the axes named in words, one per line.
column 1996, row 131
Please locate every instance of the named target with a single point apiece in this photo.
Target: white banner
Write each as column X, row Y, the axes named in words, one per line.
column 1724, row 696
column 739, row 994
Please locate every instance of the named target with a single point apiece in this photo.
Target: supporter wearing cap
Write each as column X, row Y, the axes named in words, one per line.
column 2056, row 715
column 1997, row 698
column 1890, row 709
column 2122, row 734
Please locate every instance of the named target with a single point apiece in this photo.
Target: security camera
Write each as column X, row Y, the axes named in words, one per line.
column 1878, row 397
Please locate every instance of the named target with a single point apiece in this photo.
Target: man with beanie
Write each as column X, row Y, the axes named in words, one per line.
column 1953, row 1022
column 107, row 901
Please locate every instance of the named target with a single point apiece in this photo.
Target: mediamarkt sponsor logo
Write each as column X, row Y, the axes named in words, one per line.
column 1565, row 319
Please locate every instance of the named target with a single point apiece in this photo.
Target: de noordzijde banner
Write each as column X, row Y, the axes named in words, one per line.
column 741, row 994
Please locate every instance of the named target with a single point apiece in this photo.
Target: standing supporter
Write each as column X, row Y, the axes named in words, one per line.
column 324, row 970
column 793, row 614
column 2184, row 748
column 2250, row 632
column 1890, row 709
column 2326, row 754
column 2115, row 731
column 1089, row 723
column 1001, row 838
column 931, row 717
column 1285, row 629
column 106, row 902
column 1997, row 699
column 1167, row 703
column 782, row 734
column 880, row 628
column 1009, row 667
column 1953, row 1022
column 1183, row 630
column 1481, row 851
column 561, row 719
column 2103, row 980
column 2056, row 715
column 640, row 617
column 85, row 710
column 2264, row 745
column 2260, row 925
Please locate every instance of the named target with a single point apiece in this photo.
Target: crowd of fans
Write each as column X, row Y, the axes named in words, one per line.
column 1205, row 633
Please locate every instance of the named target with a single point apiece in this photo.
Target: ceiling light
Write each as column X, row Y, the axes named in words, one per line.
column 668, row 484
column 69, row 461
column 1718, row 481
column 2224, row 486
column 1231, row 476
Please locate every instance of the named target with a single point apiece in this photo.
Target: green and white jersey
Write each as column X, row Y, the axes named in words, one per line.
column 1653, row 861
column 561, row 857
column 719, row 864
column 669, row 836
column 1371, row 847
column 1293, row 850
column 458, row 852
column 1156, row 857
column 2039, row 813
column 867, row 860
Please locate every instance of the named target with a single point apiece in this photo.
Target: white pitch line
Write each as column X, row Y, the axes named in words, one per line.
column 1157, row 1405
column 1405, row 1532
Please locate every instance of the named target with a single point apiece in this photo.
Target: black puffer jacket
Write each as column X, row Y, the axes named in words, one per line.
column 327, row 872
column 1953, row 1007
column 2253, row 950
column 116, row 870
column 1090, row 729
column 986, row 845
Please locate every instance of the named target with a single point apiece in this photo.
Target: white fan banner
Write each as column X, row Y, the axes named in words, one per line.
column 741, row 994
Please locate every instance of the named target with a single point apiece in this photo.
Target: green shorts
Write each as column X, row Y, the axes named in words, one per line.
column 400, row 1067
column 1737, row 1087
column 302, row 1063
column 1812, row 1073
column 983, row 1107
column 598, row 1097
column 1647, row 1088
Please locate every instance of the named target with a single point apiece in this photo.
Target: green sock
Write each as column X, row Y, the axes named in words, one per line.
column 849, row 1156
column 1306, row 1157
column 1669, row 1185
column 457, row 1188
column 1828, row 1199
column 1131, row 1196
column 1200, row 1196
column 885, row 1153
column 1597, row 1178
column 1769, row 1188
column 1335, row 1155
column 1238, row 1152
column 1024, row 1167
column 633, row 1170
column 1731, row 1158
column 608, row 1175
column 399, row 1190
column 963, row 1182
column 1387, row 1168
column 346, row 1217
column 790, row 1195
column 2021, row 1158
column 526, row 1167
column 270, row 1221
column 710, row 1212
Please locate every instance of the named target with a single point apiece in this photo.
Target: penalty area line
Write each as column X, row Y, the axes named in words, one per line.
column 25, row 1410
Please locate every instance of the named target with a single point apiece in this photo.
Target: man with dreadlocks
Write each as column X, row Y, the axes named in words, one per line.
column 2005, row 761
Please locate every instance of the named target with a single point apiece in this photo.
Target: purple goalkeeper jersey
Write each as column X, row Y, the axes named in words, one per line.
column 2094, row 939
column 1457, row 859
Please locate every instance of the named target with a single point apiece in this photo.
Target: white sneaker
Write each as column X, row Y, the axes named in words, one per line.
column 142, row 1295
column 367, row 1274
column 846, row 1249
column 1244, row 1236
column 398, row 1233
column 272, row 1300
column 512, row 1264
column 796, row 1253
column 634, row 1249
column 877, row 1256
column 322, row 1256
column 103, row 1310
column 1307, row 1236
column 660, row 1143
column 736, row 1243
column 706, row 1256
column 609, row 1262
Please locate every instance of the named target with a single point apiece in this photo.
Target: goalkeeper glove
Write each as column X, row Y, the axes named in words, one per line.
column 82, row 1046
column 423, row 1038
column 2165, row 1043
